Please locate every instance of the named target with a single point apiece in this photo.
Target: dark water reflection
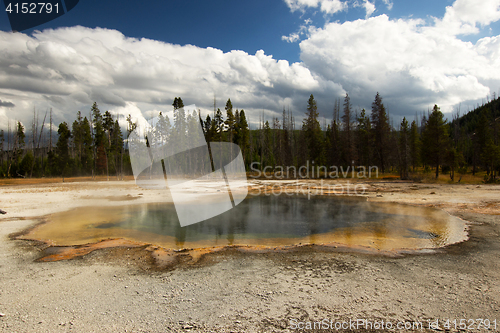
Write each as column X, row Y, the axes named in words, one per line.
column 260, row 217
column 268, row 221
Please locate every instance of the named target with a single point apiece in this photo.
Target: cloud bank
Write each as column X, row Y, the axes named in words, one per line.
column 411, row 62
column 69, row 68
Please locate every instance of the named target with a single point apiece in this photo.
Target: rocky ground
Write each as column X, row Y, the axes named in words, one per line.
column 119, row 289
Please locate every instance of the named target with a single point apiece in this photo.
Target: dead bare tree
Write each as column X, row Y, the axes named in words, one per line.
column 38, row 143
column 50, row 131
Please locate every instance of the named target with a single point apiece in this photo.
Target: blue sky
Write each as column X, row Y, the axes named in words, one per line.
column 222, row 24
column 414, row 53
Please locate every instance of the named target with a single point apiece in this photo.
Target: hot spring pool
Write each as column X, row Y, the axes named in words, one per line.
column 262, row 221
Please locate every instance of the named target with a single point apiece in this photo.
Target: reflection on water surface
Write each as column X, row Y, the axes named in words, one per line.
column 263, row 220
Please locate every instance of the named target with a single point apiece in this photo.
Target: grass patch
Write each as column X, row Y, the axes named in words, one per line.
column 44, row 180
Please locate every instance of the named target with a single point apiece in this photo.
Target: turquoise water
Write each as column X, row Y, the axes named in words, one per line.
column 262, row 221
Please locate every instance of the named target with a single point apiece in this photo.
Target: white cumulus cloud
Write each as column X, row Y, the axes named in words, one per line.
column 292, row 38
column 412, row 64
column 326, row 6
column 67, row 69
column 464, row 16
column 367, row 5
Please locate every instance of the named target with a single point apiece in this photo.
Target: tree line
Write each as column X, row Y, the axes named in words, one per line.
column 92, row 145
column 95, row 145
column 470, row 143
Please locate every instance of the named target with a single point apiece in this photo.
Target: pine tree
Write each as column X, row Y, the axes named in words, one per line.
column 178, row 103
column 62, row 149
column 287, row 139
column 209, row 129
column 218, row 125
column 347, row 127
column 19, row 141
column 482, row 138
column 312, row 132
column 268, row 153
column 236, row 126
column 435, row 140
column 243, row 135
column 108, row 125
column 97, row 126
column 165, row 127
column 87, row 148
column 491, row 157
column 179, row 131
column 236, row 121
column 276, row 141
column 108, row 122
column 179, row 114
column 404, row 149
column 381, row 131
column 117, row 147
column 414, row 145
column 453, row 159
column 99, row 140
column 335, row 144
column 364, row 142
column 230, row 122
column 485, row 137
column 195, row 136
column 77, row 132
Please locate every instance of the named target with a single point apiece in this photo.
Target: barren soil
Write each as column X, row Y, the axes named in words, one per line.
column 120, row 289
